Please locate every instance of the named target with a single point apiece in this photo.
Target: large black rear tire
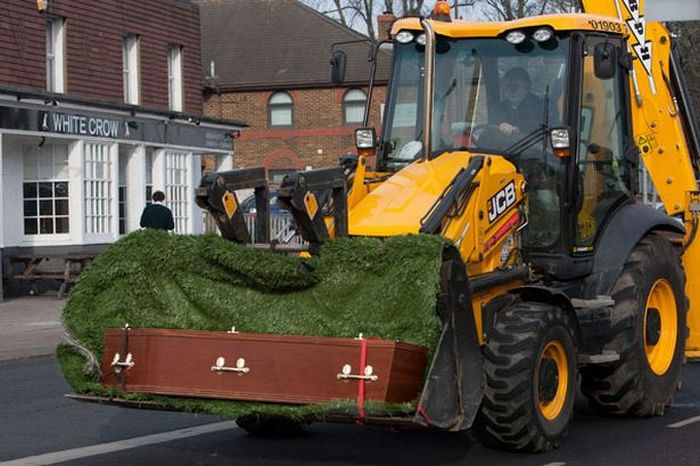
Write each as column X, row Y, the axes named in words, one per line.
column 649, row 333
column 530, row 365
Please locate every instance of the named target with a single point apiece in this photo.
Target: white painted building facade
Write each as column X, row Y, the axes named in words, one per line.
column 74, row 175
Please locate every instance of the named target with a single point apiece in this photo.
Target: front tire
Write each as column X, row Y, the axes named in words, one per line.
column 530, row 365
column 649, row 332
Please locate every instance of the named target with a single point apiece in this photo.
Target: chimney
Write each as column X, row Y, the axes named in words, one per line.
column 384, row 22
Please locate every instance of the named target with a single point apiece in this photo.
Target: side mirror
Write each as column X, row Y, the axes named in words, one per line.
column 338, row 59
column 605, row 60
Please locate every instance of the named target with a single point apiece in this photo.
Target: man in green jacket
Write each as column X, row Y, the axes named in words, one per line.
column 157, row 215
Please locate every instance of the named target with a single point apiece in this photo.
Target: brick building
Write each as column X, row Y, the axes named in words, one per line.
column 267, row 63
column 100, row 104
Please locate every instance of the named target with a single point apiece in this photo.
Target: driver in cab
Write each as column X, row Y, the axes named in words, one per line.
column 520, row 111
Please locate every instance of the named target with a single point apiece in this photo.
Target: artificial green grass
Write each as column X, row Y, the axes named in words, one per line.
column 151, row 279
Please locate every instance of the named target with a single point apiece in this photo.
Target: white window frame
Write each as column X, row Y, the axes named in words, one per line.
column 55, row 55
column 52, row 179
column 281, row 110
column 352, row 102
column 131, row 69
column 175, row 91
column 178, row 189
column 98, row 189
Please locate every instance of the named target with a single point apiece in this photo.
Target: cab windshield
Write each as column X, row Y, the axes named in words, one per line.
column 491, row 97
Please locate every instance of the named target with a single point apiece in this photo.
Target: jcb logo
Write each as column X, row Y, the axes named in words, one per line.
column 501, row 201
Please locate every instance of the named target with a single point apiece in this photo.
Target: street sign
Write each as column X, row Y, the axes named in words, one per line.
column 673, row 10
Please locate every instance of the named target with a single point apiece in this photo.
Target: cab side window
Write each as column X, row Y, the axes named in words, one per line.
column 604, row 173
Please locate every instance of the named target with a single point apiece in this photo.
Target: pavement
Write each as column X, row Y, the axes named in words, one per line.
column 30, row 326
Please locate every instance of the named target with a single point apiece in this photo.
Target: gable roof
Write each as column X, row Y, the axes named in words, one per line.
column 275, row 44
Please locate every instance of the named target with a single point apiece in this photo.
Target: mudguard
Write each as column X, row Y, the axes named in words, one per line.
column 629, row 224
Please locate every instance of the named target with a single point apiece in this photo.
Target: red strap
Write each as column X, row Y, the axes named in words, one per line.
column 361, row 386
column 422, row 412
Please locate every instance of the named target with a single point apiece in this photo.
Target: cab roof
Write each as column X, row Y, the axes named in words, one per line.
column 560, row 22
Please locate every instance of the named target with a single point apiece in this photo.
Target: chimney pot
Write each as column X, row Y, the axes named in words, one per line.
column 384, row 22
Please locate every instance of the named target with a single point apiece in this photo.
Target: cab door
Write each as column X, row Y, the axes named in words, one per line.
column 604, row 167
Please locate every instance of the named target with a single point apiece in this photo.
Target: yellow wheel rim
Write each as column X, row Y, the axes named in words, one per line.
column 660, row 330
column 552, row 406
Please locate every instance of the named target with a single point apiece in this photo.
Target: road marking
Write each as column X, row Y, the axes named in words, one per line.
column 103, row 448
column 688, row 421
column 48, row 323
column 555, row 464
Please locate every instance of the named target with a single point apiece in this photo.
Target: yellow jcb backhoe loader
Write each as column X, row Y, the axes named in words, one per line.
column 527, row 144
column 571, row 268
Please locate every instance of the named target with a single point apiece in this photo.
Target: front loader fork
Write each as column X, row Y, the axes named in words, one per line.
column 217, row 195
column 317, row 200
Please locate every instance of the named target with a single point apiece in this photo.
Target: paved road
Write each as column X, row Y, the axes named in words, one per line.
column 35, row 419
column 38, row 425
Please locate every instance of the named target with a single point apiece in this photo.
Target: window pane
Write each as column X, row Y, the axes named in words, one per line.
column 45, row 162
column 62, row 225
column 61, row 189
column 354, row 113
column 30, row 208
column 281, row 117
column 30, row 190
column 46, row 225
column 30, row 165
column 60, row 162
column 45, row 207
column 45, row 190
column 149, row 168
column 30, row 226
column 280, row 98
column 355, row 95
column 62, row 207
column 123, row 159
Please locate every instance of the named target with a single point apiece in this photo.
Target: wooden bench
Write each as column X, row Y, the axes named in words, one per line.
column 31, row 268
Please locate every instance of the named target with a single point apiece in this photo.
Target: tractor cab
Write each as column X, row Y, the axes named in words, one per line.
column 548, row 94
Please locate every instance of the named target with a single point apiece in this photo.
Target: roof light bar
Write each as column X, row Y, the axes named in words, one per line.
column 543, row 34
column 516, row 37
column 404, row 37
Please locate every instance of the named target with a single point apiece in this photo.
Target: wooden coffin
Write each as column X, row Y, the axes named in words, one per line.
column 257, row 367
